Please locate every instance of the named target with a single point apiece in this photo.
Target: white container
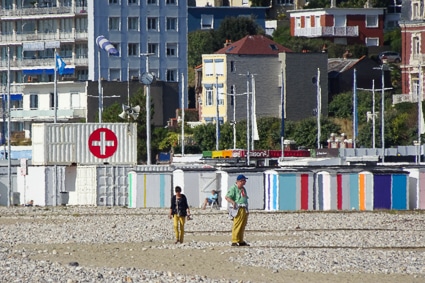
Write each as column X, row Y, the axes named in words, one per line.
column 84, row 144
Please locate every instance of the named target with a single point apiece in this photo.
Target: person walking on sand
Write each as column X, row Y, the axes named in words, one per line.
column 238, row 210
column 179, row 209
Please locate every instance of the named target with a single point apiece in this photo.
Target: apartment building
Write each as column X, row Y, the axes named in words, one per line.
column 32, row 30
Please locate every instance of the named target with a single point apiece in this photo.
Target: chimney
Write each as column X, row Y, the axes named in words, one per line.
column 333, row 3
column 227, row 43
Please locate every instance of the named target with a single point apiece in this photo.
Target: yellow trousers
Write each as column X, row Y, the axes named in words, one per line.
column 178, row 222
column 239, row 223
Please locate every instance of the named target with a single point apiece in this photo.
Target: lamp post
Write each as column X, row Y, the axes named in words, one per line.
column 373, row 109
column 148, row 114
column 217, row 119
column 234, row 94
column 9, row 168
column 420, row 114
column 247, row 118
column 383, row 67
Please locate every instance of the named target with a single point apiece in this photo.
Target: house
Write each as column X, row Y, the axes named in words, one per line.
column 346, row 26
column 255, row 65
column 413, row 52
column 210, row 18
column 31, row 36
column 341, row 75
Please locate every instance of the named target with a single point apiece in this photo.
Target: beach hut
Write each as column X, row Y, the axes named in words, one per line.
column 289, row 189
column 416, row 187
column 150, row 188
column 196, row 183
column 254, row 185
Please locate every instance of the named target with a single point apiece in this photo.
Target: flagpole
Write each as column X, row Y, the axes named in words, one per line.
column 282, row 126
column 9, row 168
column 183, row 105
column 99, row 87
column 55, row 90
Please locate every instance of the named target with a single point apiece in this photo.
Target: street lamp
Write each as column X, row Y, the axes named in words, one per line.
column 383, row 67
column 217, row 119
column 147, row 79
column 234, row 94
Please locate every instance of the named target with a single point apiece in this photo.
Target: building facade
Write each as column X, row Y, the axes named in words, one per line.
column 413, row 51
column 346, row 26
column 255, row 65
column 150, row 36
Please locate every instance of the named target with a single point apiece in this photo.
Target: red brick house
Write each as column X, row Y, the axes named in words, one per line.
column 412, row 58
column 344, row 26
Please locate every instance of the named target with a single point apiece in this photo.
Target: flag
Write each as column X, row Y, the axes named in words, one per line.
column 106, row 45
column 60, row 65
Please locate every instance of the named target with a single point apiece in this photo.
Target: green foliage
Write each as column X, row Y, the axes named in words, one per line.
column 200, row 42
column 236, row 28
column 208, row 41
column 204, row 135
column 393, row 39
column 305, row 133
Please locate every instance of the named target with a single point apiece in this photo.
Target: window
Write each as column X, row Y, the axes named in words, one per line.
column 285, row 2
column 171, row 75
column 232, row 66
column 133, row 49
column 171, row 2
column 209, row 68
column 416, row 45
column 298, row 22
column 130, row 2
column 208, row 96
column 171, row 23
column 75, row 100
column 416, row 10
column 133, row 23
column 152, row 23
column 307, row 21
column 220, row 94
column 339, row 21
column 52, row 101
column 207, row 21
column 152, row 48
column 372, row 21
column 151, row 2
column 33, row 101
column 114, row 23
column 113, row 1
column 232, row 91
column 372, row 41
column 219, row 67
column 172, row 49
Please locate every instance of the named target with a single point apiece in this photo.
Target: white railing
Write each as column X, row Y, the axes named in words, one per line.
column 399, row 98
column 351, row 31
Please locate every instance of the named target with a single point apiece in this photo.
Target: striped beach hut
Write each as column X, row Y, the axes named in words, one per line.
column 289, row 189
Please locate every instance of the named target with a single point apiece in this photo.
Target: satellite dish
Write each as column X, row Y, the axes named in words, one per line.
column 128, row 111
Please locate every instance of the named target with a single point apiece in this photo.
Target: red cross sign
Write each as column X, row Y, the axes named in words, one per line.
column 103, row 143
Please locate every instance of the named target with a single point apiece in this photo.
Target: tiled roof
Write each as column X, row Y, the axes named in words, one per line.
column 254, row 45
column 341, row 65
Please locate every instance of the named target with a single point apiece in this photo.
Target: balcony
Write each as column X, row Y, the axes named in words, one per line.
column 43, row 115
column 351, row 31
column 10, row 14
column 14, row 37
column 41, row 62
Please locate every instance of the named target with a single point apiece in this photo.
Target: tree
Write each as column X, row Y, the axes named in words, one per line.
column 233, row 28
column 200, row 42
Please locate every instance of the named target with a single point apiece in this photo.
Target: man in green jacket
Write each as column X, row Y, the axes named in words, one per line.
column 238, row 201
